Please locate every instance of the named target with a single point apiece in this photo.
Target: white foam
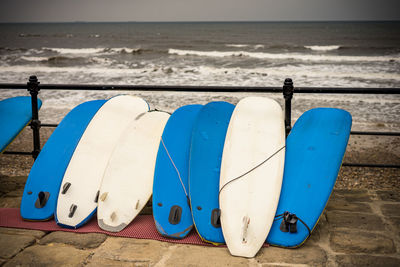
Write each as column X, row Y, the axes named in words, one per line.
column 237, row 45
column 74, row 51
column 34, row 59
column 323, row 47
column 332, row 74
column 258, row 46
column 285, row 56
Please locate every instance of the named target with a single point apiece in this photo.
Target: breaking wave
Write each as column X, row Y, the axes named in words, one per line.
column 286, row 56
column 323, row 48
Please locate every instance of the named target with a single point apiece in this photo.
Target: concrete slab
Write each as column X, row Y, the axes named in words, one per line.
column 366, row 260
column 354, row 241
column 81, row 241
column 129, row 251
column 360, row 221
column 50, row 255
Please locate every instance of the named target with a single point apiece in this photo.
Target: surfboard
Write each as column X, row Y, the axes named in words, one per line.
column 314, row 151
column 171, row 208
column 207, row 144
column 251, row 174
column 43, row 184
column 128, row 180
column 78, row 195
column 15, row 114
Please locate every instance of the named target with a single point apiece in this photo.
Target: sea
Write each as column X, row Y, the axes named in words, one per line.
column 318, row 54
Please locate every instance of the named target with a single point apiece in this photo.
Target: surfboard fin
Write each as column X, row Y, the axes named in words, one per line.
column 113, row 216
column 96, row 199
column 103, row 196
column 175, row 215
column 42, row 199
column 215, row 218
column 245, row 226
column 72, row 210
column 66, row 186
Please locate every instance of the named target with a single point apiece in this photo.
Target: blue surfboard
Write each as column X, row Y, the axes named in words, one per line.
column 39, row 199
column 314, row 151
column 207, row 144
column 171, row 209
column 15, row 114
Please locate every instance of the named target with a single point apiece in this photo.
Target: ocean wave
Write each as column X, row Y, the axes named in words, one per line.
column 74, row 50
column 285, row 56
column 65, row 59
column 13, row 49
column 30, row 35
column 57, row 60
column 237, row 45
column 90, row 51
column 35, row 59
column 258, row 46
column 219, row 75
column 38, row 35
column 323, row 48
column 124, row 50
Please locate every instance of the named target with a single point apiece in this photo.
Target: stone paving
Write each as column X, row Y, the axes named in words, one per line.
column 358, row 228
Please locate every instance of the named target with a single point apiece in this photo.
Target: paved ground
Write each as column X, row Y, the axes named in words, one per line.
column 358, row 228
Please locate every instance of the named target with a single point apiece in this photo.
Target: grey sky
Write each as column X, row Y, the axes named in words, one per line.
column 196, row 10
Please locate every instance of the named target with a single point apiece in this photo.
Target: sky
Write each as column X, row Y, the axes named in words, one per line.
column 196, row 10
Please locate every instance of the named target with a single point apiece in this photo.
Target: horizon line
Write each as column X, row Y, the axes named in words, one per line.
column 200, row 21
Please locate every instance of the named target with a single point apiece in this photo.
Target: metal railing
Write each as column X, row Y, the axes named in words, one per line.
column 34, row 86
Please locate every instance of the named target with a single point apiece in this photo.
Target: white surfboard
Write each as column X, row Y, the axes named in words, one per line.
column 77, row 199
column 249, row 194
column 128, row 180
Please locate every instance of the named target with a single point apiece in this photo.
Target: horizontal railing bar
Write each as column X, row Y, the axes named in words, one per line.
column 375, row 133
column 13, row 86
column 346, row 90
column 49, row 125
column 177, row 88
column 189, row 88
column 46, row 124
column 371, row 165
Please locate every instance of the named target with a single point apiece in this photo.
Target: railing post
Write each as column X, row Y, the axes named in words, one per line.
column 288, row 90
column 33, row 88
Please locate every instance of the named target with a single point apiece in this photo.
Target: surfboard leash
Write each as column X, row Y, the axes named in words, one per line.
column 176, row 169
column 249, row 171
column 289, row 222
column 159, row 110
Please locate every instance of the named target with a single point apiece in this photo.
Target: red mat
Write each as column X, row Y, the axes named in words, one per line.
column 142, row 227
